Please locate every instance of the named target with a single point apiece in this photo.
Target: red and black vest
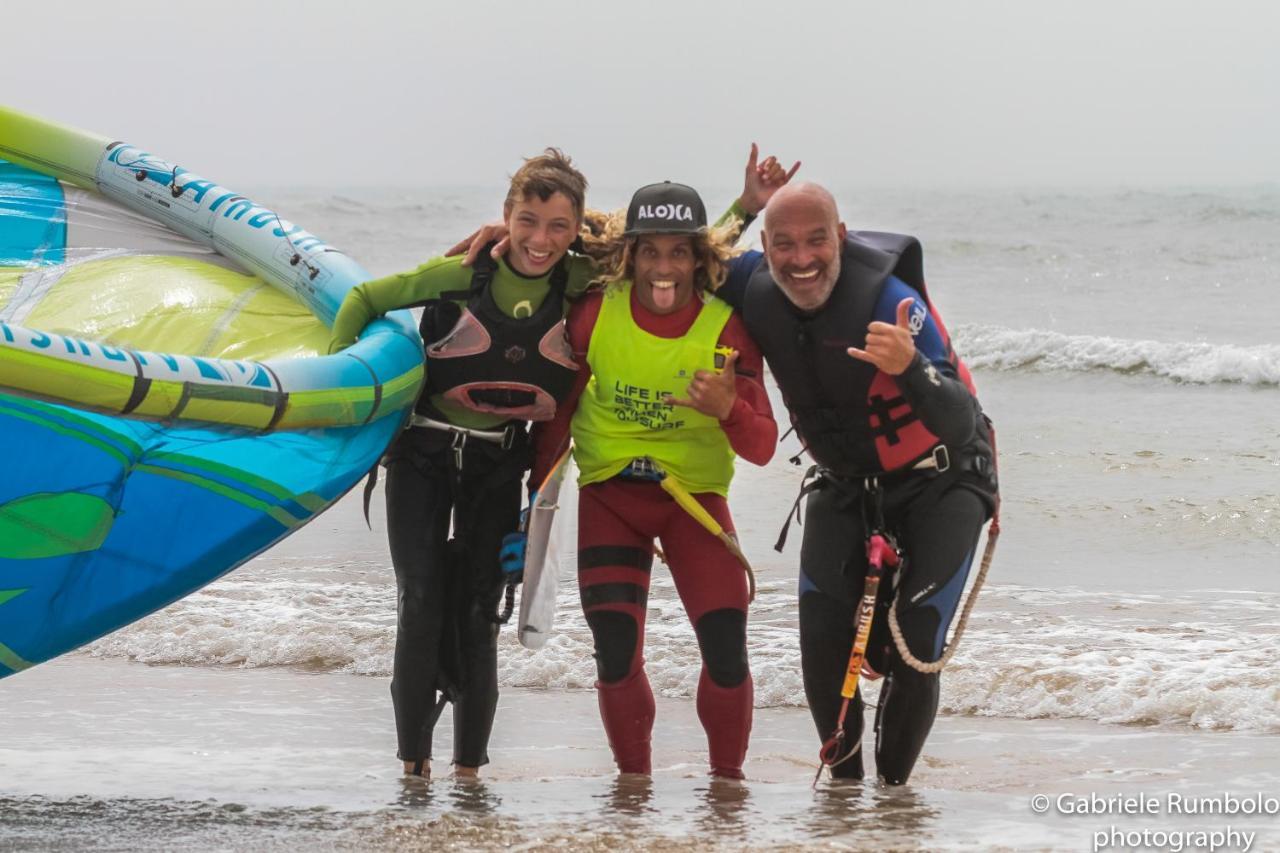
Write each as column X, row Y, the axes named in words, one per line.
column 852, row 418
column 486, row 361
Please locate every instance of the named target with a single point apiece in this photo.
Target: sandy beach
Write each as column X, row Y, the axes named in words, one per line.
column 116, row 755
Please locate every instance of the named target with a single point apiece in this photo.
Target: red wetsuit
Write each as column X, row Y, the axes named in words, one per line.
column 618, row 521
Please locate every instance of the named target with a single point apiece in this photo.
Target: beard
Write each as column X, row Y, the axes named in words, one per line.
column 811, row 296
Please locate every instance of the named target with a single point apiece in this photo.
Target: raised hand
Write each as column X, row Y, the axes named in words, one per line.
column 890, row 346
column 762, row 180
column 473, row 245
column 713, row 394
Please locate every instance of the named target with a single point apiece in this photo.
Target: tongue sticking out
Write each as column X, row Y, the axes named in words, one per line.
column 663, row 297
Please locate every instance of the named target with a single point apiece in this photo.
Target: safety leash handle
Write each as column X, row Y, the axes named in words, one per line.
column 880, row 553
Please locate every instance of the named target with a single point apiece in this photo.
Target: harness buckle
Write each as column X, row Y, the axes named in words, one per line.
column 941, row 458
column 643, row 468
column 459, row 442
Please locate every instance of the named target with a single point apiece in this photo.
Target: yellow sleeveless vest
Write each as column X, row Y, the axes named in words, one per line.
column 621, row 415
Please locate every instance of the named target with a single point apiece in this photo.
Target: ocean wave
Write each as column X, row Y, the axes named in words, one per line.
column 251, row 622
column 999, row 348
column 1202, row 661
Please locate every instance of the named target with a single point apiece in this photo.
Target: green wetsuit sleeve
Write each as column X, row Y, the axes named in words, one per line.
column 374, row 298
column 736, row 211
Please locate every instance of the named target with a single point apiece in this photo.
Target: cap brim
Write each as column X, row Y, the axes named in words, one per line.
column 661, row 229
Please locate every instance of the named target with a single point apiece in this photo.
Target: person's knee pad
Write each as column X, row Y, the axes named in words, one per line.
column 722, row 637
column 615, row 639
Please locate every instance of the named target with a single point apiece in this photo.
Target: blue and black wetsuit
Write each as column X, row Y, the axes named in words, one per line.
column 858, row 422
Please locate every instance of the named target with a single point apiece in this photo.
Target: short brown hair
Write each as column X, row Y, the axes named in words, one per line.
column 546, row 174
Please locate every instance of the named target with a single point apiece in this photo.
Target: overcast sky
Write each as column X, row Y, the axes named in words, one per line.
column 377, row 92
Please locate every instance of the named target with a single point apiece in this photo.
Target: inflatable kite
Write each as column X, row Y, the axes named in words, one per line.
column 166, row 407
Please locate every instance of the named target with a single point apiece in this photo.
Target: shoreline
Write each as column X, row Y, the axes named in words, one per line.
column 192, row 758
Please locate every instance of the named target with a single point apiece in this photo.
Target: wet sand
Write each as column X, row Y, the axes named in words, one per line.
column 115, row 755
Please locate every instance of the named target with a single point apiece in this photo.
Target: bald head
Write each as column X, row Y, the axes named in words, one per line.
column 804, row 196
column 803, row 237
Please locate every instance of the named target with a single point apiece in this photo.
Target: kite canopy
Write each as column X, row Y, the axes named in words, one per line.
column 164, row 399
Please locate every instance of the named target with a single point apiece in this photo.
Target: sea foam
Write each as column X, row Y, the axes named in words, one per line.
column 1204, row 660
column 997, row 348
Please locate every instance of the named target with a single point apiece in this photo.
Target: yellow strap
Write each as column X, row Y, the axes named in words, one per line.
column 699, row 513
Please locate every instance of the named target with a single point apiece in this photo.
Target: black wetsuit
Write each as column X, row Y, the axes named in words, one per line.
column 487, row 370
column 852, row 421
column 939, row 536
column 449, row 640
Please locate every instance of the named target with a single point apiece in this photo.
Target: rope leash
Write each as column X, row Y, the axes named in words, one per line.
column 911, row 660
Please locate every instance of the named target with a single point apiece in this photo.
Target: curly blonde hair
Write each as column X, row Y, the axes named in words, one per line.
column 604, row 243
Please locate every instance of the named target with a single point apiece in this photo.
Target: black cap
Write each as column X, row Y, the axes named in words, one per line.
column 665, row 208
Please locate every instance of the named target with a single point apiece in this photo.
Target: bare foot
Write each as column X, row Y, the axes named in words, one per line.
column 462, row 772
column 418, row 768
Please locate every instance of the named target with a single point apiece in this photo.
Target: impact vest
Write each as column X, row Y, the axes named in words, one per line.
column 852, row 418
column 621, row 415
column 492, row 363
